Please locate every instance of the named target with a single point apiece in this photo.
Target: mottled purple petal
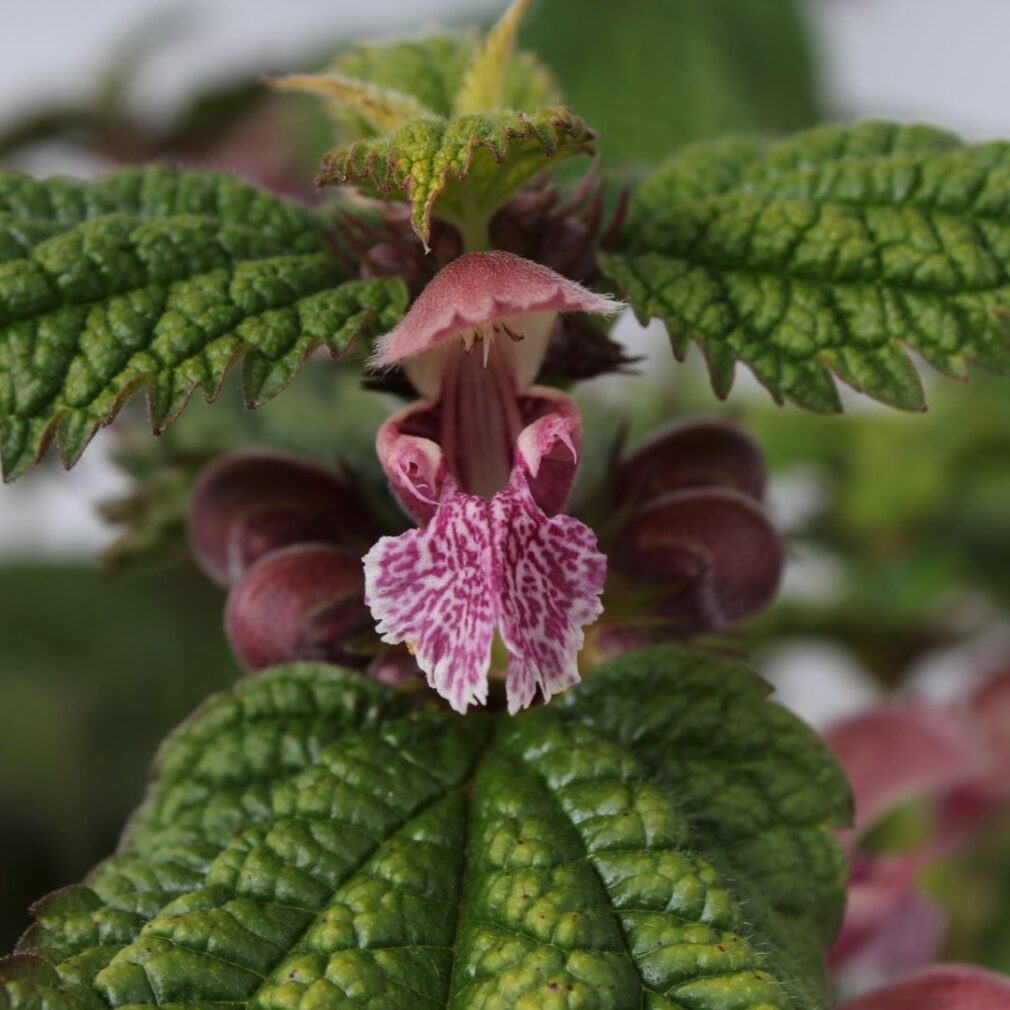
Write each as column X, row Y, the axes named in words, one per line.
column 430, row 588
column 547, row 449
column 550, row 579
column 481, row 564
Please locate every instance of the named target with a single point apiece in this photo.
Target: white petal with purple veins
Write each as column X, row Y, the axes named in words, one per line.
column 482, row 564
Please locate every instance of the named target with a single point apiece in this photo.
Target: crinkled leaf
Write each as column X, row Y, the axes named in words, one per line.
column 431, row 71
column 159, row 279
column 469, row 164
column 657, row 839
column 832, row 252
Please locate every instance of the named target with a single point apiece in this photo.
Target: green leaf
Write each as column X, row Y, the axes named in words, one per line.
column 383, row 109
column 655, row 74
column 469, row 164
column 432, row 70
column 483, row 85
column 448, row 119
column 159, row 279
column 656, row 839
column 372, row 90
column 828, row 254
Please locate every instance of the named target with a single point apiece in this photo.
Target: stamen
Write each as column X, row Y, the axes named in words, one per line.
column 469, row 338
column 488, row 339
column 517, row 337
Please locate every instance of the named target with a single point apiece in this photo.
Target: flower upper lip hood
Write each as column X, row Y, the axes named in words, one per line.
column 478, row 290
column 484, row 463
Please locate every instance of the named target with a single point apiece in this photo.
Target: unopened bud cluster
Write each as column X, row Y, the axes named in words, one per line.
column 284, row 536
column 693, row 530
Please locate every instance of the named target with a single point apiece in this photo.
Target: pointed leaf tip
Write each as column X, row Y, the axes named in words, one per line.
column 483, row 85
column 385, row 109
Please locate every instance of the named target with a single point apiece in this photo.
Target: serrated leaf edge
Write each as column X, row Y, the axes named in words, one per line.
column 722, row 388
column 143, row 381
column 337, row 165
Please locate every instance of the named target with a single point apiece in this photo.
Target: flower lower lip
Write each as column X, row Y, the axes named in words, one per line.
column 483, row 565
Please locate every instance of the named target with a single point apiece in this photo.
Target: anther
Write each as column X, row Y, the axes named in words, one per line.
column 517, row 337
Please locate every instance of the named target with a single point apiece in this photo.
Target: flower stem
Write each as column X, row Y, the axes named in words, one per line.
column 475, row 232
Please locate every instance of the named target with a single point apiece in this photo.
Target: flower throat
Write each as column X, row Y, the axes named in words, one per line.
column 480, row 411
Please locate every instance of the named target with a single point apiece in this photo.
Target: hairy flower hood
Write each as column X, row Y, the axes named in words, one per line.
column 480, row 290
column 485, row 463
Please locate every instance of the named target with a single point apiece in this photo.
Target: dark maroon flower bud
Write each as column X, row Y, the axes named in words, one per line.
column 580, row 348
column 540, row 224
column 382, row 239
column 713, row 550
column 300, row 602
column 246, row 504
column 701, row 452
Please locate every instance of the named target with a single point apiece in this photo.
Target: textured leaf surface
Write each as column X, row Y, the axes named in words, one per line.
column 657, row 839
column 431, row 70
column 832, row 252
column 157, row 278
column 470, row 163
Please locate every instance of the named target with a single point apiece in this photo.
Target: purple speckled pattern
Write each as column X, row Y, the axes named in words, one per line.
column 482, row 564
column 548, row 580
column 485, row 463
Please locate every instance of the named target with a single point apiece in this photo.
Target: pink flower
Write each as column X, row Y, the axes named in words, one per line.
column 945, row 987
column 485, row 463
column 891, row 755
